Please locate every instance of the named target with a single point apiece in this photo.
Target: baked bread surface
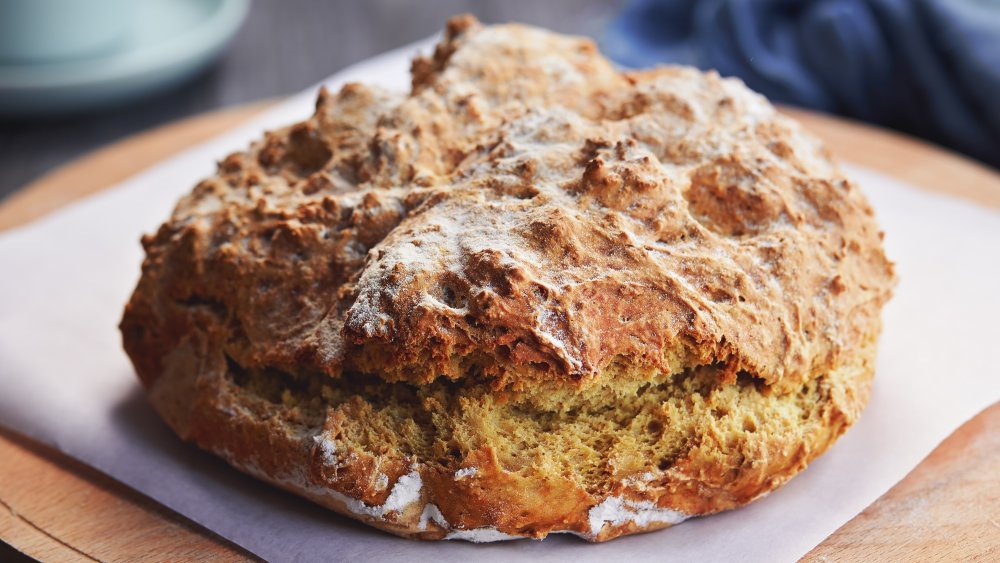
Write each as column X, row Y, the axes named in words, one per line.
column 532, row 295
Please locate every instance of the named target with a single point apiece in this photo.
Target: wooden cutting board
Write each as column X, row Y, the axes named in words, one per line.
column 56, row 509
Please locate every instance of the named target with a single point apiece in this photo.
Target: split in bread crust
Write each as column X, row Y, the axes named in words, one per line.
column 532, row 295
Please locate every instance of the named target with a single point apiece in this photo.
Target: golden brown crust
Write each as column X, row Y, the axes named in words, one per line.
column 526, row 225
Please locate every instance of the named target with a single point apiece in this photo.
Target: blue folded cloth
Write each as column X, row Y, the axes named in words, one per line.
column 927, row 67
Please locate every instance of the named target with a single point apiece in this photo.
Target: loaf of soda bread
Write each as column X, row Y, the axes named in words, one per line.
column 532, row 295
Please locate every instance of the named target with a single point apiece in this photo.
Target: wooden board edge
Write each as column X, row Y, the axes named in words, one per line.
column 946, row 509
column 121, row 523
column 905, row 158
column 114, row 163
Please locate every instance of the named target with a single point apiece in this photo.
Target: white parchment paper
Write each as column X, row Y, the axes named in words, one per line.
column 65, row 381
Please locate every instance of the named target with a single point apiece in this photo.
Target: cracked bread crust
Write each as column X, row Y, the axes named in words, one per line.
column 532, row 295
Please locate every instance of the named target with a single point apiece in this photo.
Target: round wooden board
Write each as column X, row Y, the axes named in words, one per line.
column 56, row 509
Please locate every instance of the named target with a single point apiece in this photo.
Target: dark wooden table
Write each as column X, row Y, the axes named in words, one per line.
column 285, row 46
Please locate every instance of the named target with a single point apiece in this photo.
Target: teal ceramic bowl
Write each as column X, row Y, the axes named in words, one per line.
column 162, row 43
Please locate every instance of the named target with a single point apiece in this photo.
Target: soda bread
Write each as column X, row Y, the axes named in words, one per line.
column 532, row 295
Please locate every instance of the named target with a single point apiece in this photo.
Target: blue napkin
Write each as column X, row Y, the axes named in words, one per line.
column 926, row 67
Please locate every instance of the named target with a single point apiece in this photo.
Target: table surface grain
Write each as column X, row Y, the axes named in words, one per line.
column 284, row 47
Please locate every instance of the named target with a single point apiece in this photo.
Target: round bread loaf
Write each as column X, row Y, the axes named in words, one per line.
column 532, row 295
